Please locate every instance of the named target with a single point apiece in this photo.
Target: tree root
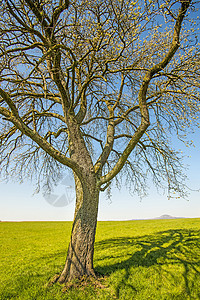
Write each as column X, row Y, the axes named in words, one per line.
column 84, row 281
column 53, row 280
column 95, row 281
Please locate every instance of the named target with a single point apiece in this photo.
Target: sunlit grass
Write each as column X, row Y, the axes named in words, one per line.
column 158, row 259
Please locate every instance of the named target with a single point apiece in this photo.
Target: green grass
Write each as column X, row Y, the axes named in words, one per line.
column 157, row 259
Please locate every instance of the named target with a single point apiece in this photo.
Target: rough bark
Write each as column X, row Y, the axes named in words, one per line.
column 79, row 260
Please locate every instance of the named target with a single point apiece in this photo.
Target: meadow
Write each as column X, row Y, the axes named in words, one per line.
column 151, row 259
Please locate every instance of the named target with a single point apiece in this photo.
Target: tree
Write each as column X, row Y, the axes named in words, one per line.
column 98, row 87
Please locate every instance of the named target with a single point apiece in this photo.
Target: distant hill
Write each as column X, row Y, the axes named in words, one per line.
column 168, row 217
column 163, row 217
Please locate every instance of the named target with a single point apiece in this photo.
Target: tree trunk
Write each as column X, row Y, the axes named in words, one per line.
column 79, row 260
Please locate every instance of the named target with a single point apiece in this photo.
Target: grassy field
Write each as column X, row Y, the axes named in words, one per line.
column 157, row 259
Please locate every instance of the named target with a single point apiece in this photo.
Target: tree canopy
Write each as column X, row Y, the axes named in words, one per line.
column 117, row 66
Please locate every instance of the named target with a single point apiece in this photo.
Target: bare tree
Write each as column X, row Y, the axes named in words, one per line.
column 98, row 87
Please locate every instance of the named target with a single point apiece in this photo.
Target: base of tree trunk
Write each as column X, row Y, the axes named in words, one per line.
column 84, row 281
column 97, row 281
column 66, row 280
column 75, row 268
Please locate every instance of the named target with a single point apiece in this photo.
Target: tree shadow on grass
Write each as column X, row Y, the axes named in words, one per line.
column 179, row 249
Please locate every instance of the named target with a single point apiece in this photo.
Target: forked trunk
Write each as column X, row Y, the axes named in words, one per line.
column 79, row 260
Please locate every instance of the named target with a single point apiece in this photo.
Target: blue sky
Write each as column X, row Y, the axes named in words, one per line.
column 17, row 202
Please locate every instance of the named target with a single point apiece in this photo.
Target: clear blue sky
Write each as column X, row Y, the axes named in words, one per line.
column 18, row 203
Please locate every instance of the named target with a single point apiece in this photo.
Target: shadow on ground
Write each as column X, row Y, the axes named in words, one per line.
column 170, row 251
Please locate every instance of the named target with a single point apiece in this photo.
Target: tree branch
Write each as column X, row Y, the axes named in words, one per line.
column 14, row 117
column 142, row 96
